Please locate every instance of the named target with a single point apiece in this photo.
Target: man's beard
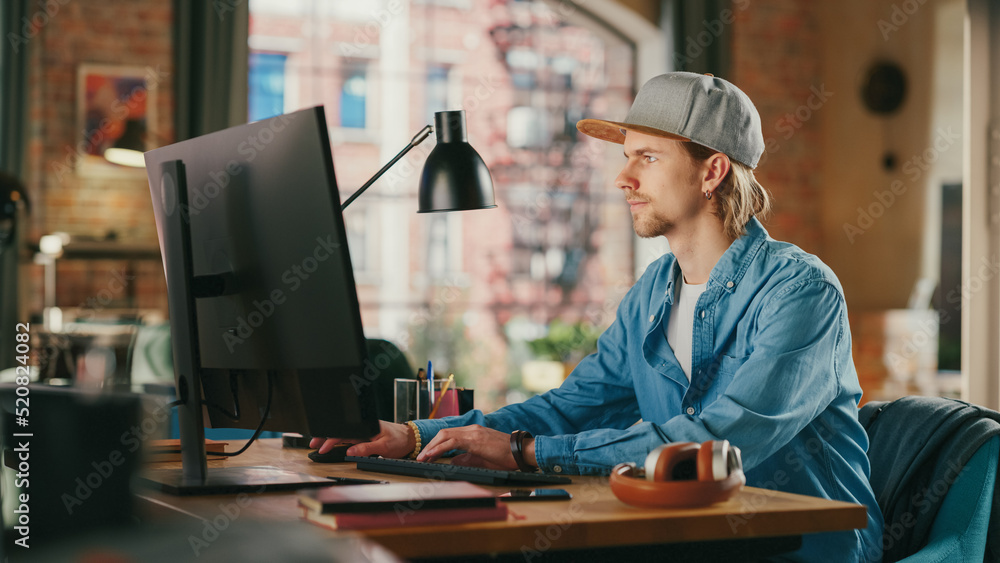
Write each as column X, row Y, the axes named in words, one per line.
column 650, row 226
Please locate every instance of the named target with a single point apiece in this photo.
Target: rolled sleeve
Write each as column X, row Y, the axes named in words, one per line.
column 596, row 451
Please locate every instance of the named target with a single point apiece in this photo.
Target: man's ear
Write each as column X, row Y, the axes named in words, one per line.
column 716, row 168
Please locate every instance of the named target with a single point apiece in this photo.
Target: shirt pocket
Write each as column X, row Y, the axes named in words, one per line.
column 718, row 381
column 728, row 365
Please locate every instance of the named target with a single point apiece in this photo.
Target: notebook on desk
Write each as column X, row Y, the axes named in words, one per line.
column 412, row 496
column 448, row 472
column 400, row 504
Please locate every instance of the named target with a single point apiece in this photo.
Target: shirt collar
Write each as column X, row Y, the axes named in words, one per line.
column 729, row 270
column 675, row 274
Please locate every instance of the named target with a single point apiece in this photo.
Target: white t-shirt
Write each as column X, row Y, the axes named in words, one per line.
column 680, row 327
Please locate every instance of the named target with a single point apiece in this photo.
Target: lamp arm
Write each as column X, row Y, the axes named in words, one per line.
column 416, row 140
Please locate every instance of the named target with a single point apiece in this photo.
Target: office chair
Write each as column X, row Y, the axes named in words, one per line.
column 960, row 529
column 933, row 470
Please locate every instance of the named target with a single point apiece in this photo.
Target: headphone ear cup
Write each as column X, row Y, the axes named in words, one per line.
column 713, row 460
column 671, row 462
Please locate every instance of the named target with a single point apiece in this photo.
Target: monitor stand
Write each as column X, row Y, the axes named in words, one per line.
column 194, row 477
column 231, row 480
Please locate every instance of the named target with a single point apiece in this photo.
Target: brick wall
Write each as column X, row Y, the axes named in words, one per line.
column 103, row 203
column 777, row 61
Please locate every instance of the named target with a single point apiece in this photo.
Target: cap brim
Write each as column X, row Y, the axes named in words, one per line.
column 612, row 130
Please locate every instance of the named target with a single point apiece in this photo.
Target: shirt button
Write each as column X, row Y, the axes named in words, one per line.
column 730, row 284
column 703, row 313
column 690, row 410
column 652, row 318
column 557, row 469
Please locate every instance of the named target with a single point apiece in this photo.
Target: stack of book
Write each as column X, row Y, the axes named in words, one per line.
column 169, row 450
column 357, row 507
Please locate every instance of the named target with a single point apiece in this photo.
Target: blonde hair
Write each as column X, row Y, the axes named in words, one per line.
column 740, row 195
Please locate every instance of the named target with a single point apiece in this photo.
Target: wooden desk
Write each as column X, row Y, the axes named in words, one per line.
column 594, row 518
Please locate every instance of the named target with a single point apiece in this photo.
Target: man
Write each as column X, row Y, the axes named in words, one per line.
column 732, row 335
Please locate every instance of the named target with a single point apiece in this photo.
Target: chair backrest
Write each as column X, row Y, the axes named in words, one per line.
column 960, row 529
column 386, row 363
column 918, row 447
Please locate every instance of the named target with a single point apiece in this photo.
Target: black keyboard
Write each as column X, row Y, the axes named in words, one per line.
column 430, row 470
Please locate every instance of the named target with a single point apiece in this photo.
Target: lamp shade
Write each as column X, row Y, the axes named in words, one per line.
column 127, row 150
column 454, row 178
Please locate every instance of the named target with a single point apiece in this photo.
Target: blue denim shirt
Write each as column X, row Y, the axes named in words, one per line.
column 771, row 372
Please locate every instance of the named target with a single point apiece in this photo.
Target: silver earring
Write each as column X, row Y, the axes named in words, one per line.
column 708, row 195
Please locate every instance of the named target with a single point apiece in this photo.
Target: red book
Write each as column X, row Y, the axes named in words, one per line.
column 391, row 519
column 397, row 497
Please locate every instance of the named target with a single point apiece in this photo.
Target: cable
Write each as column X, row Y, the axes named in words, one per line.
column 263, row 419
column 256, row 433
column 221, row 409
column 234, row 388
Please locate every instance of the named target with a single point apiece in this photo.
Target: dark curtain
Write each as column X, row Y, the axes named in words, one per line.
column 701, row 31
column 211, row 52
column 14, row 46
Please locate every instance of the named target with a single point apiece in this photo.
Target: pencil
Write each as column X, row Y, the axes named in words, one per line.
column 437, row 405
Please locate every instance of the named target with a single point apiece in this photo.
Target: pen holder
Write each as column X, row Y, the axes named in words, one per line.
column 411, row 400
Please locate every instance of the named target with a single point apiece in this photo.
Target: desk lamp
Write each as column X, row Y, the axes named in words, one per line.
column 454, row 177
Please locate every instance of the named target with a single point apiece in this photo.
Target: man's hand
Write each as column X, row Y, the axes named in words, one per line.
column 393, row 440
column 483, row 447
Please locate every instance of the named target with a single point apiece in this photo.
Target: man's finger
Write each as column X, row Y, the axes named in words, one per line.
column 328, row 445
column 437, row 447
column 359, row 450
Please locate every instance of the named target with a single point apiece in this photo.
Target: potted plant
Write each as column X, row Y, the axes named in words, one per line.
column 557, row 353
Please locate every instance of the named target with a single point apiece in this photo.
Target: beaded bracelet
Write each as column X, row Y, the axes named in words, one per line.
column 416, row 434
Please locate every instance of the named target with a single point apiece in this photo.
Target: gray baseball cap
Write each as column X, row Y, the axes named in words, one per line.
column 686, row 106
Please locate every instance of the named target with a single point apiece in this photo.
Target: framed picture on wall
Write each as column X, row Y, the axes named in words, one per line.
column 116, row 108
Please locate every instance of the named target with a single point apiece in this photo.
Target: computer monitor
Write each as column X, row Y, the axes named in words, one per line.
column 264, row 312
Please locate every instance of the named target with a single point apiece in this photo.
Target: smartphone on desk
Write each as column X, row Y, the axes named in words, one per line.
column 535, row 494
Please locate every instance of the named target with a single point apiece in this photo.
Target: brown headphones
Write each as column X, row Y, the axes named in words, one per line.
column 683, row 474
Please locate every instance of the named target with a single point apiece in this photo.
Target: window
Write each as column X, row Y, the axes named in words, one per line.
column 267, row 85
column 353, row 97
column 437, row 246
column 437, row 89
column 358, row 225
column 559, row 246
